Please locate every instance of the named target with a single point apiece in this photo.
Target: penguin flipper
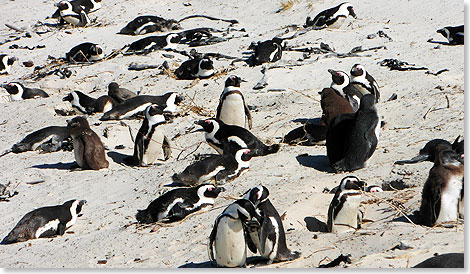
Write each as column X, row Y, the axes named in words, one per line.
column 166, row 148
column 61, row 229
column 267, row 232
column 249, row 119
column 211, row 241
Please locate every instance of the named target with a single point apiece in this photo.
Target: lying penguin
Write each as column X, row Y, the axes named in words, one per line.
column 73, row 14
column 19, row 92
column 197, row 67
column 48, row 139
column 268, row 51
column 119, row 94
column 455, row 35
column 149, row 23
column 178, row 203
column 88, row 105
column 429, row 151
column 331, row 18
column 152, row 43
column 84, row 53
column 309, row 134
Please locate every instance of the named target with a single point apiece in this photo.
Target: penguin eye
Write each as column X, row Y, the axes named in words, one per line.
column 246, row 151
column 208, row 121
column 340, row 74
column 210, row 188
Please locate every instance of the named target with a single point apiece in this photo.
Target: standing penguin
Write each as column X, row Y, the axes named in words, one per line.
column 19, row 92
column 455, row 35
column 119, row 94
column 232, row 108
column 45, row 222
column 342, row 84
column 228, row 238
column 178, row 203
column 351, row 138
column 344, row 207
column 269, row 239
column 331, row 18
column 6, row 62
column 73, row 14
column 151, row 43
column 150, row 143
column 332, row 105
column 87, row 146
column 364, row 82
column 268, row 51
column 193, row 68
column 85, row 52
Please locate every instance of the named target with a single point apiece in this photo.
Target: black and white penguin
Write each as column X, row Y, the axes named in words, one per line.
column 342, row 85
column 218, row 134
column 332, row 105
column 85, row 52
column 150, row 142
column 268, row 51
column 269, row 239
column 19, row 92
column 87, row 5
column 232, row 108
column 351, row 138
column 228, row 239
column 151, row 43
column 221, row 168
column 455, row 35
column 448, row 260
column 178, row 203
column 331, row 18
column 73, row 14
column 138, row 104
column 443, row 189
column 343, row 211
column 364, row 82
column 104, row 103
column 309, row 134
column 48, row 139
column 119, row 94
column 45, row 222
column 149, row 23
column 197, row 67
column 6, row 62
column 81, row 102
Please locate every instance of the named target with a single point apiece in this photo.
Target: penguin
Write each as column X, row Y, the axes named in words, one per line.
column 218, row 134
column 332, row 18
column 151, row 43
column 119, row 94
column 149, row 23
column 87, row 5
column 269, row 238
column 232, row 108
column 228, row 238
column 87, row 146
column 448, row 260
column 6, row 62
column 309, row 134
column 19, row 92
column 364, row 82
column 455, row 35
column 46, row 221
column 197, row 67
column 104, row 103
column 342, row 85
column 442, row 189
column 150, row 142
column 268, row 51
column 332, row 105
column 138, row 104
column 85, row 52
column 48, row 139
column 430, row 150
column 73, row 14
column 81, row 102
column 343, row 211
column 351, row 138
column 178, row 203
column 221, row 168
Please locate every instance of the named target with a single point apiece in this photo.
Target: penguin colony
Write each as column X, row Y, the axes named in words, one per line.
column 350, row 125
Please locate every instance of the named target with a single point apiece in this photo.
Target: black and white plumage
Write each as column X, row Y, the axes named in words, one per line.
column 151, row 144
column 19, row 92
column 48, row 139
column 45, row 222
column 6, row 62
column 224, row 137
column 455, row 35
column 430, row 151
column 268, row 51
column 88, row 105
column 364, row 82
column 119, row 94
column 331, row 18
column 73, row 13
column 178, row 203
column 341, row 83
column 309, row 134
column 351, row 138
column 221, row 168
column 149, row 23
column 447, row 260
column 232, row 108
column 197, row 67
column 87, row 5
column 343, row 212
column 151, row 43
column 84, row 53
column 228, row 239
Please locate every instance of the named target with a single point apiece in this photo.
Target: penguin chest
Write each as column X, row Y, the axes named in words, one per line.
column 78, row 151
column 71, row 18
column 154, row 149
column 338, row 23
column 232, row 111
column 450, row 194
column 48, row 229
column 230, row 245
column 107, row 106
column 347, row 216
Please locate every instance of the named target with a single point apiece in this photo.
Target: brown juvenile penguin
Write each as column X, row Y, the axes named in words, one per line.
column 332, row 105
column 87, row 146
column 119, row 94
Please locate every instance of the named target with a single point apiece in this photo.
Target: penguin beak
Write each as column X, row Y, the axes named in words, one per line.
column 68, row 98
column 417, row 159
column 82, row 202
column 332, row 72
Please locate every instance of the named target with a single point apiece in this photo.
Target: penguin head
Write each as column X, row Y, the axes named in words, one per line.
column 75, row 206
column 373, row 188
column 209, row 191
column 351, row 183
column 70, row 96
column 350, row 9
column 96, row 50
column 14, row 88
column 459, row 147
column 339, row 78
column 357, row 70
column 11, row 60
column 113, row 86
column 449, row 158
column 445, row 32
column 209, row 125
column 233, row 81
column 244, row 210
column 154, row 114
column 173, row 38
column 206, row 64
column 257, row 195
column 78, row 122
column 432, row 148
column 243, row 154
column 64, row 5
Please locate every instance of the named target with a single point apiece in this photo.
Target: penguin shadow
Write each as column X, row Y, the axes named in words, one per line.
column 315, row 225
column 414, row 217
column 117, row 157
column 318, row 162
column 250, row 262
column 207, row 264
column 60, row 166
column 441, row 43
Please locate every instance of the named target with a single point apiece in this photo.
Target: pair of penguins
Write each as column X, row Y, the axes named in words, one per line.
column 76, row 12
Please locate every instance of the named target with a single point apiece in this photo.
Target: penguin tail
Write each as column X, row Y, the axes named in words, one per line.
column 144, row 217
column 271, row 149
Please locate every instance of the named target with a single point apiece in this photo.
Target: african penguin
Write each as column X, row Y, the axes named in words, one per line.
column 6, row 62
column 342, row 85
column 87, row 5
column 47, row 139
column 268, row 51
column 73, row 14
column 151, row 43
column 87, row 146
column 228, row 239
column 221, row 168
column 332, row 105
column 218, row 134
column 178, row 203
column 19, row 92
column 455, row 35
column 232, row 108
column 119, row 94
column 197, row 67
column 81, row 102
column 364, row 82
column 147, row 24
column 343, row 211
column 331, row 18
column 150, row 142
column 448, row 260
column 85, row 52
column 351, row 138
column 308, row 134
column 46, row 221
